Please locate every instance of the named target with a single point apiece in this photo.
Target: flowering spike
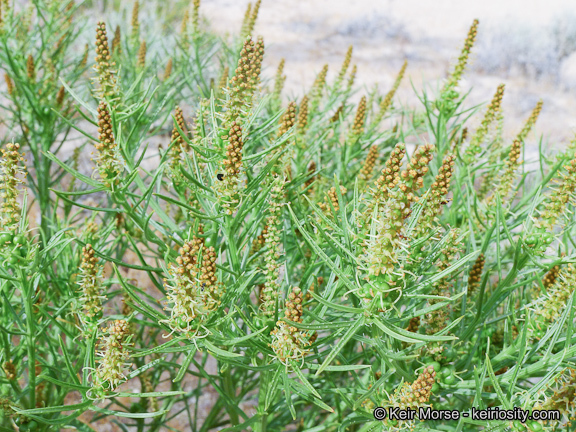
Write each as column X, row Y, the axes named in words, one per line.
column 142, row 55
column 272, row 253
column 113, row 355
column 368, row 168
column 117, row 42
column 90, row 282
column 288, row 120
column 454, row 78
column 387, row 101
column 436, row 197
column 108, row 161
column 11, row 173
column 475, row 143
column 103, row 64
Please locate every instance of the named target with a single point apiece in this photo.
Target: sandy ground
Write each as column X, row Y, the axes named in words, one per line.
column 429, row 34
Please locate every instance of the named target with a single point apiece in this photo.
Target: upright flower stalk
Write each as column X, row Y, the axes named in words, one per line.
column 273, row 248
column 113, row 356
column 288, row 342
column 229, row 177
column 108, row 160
column 387, row 101
column 104, row 64
column 380, row 250
column 478, row 138
column 243, row 84
column 12, row 174
column 193, row 290
column 91, row 291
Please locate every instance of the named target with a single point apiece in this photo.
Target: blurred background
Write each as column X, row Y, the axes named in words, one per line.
column 530, row 45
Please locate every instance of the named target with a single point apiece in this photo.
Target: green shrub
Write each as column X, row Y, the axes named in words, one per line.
column 302, row 262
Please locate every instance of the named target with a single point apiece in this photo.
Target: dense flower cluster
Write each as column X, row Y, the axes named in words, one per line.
column 11, row 175
column 272, row 244
column 114, row 355
column 192, row 288
column 108, row 161
column 91, row 291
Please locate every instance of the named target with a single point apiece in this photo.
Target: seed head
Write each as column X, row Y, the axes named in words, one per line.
column 113, row 355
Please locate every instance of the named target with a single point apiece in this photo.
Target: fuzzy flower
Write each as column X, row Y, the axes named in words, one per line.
column 387, row 101
column 84, row 60
column 141, row 63
column 60, row 97
column 555, row 205
column 436, row 197
column 368, row 168
column 192, row 288
column 11, row 175
column 408, row 396
column 288, row 120
column 229, row 179
column 90, row 283
column 389, row 178
column 104, row 64
column 478, row 138
column 114, row 355
column 551, row 305
column 288, row 342
column 380, row 249
column 563, row 399
column 273, row 247
column 108, row 161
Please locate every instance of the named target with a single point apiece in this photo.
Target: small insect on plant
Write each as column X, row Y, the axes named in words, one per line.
column 184, row 249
